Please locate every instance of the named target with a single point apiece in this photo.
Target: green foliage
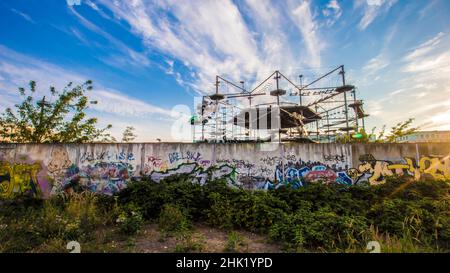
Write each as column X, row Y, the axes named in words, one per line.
column 320, row 217
column 220, row 212
column 44, row 225
column 173, row 220
column 403, row 215
column 62, row 118
column 128, row 134
column 235, row 242
column 188, row 243
column 320, row 228
column 400, row 129
column 130, row 219
column 346, row 138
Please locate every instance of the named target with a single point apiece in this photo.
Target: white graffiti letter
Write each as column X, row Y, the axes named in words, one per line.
column 374, row 247
column 74, row 246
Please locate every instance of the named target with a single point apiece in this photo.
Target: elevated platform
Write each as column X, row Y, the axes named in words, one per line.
column 291, row 116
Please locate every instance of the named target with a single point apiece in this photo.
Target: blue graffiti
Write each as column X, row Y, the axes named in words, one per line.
column 344, row 179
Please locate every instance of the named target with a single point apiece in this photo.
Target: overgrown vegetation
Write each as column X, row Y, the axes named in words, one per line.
column 402, row 215
column 401, row 129
column 60, row 118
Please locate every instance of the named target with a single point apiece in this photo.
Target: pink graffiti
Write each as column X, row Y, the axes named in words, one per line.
column 321, row 174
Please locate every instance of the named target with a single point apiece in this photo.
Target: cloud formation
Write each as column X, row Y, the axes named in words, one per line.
column 216, row 38
column 16, row 70
column 372, row 9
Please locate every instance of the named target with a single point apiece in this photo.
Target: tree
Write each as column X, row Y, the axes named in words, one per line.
column 401, row 129
column 128, row 134
column 60, row 119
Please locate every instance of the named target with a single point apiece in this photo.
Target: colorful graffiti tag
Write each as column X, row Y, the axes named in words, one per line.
column 297, row 173
column 378, row 170
column 19, row 180
column 101, row 177
column 107, row 170
column 199, row 173
column 369, row 170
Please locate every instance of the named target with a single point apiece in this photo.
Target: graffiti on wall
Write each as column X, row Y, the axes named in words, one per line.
column 109, row 171
column 200, row 174
column 154, row 163
column 102, row 172
column 296, row 173
column 106, row 156
column 19, row 180
column 378, row 170
column 100, row 177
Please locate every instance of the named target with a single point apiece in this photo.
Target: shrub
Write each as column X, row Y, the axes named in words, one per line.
column 319, row 229
column 82, row 208
column 188, row 243
column 173, row 220
column 130, row 219
column 235, row 242
column 220, row 213
column 148, row 196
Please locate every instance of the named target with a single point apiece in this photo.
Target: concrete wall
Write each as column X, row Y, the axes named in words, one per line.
column 45, row 169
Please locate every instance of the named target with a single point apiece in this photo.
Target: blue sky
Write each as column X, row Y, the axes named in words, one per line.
column 145, row 57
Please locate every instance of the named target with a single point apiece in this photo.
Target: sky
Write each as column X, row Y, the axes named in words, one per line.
column 147, row 58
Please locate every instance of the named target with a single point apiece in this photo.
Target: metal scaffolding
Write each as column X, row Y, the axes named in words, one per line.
column 311, row 112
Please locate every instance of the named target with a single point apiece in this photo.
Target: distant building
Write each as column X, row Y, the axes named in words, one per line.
column 426, row 136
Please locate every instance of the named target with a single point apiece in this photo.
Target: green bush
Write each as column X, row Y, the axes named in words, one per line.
column 320, row 229
column 146, row 195
column 404, row 214
column 235, row 242
column 130, row 219
column 188, row 243
column 172, row 219
column 220, row 212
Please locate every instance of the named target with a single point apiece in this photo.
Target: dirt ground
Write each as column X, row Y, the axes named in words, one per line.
column 201, row 239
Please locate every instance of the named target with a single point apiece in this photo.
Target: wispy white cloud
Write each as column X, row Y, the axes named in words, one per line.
column 213, row 37
column 376, row 64
column 16, row 70
column 422, row 87
column 332, row 12
column 372, row 9
column 302, row 16
column 128, row 56
column 429, row 57
column 24, row 15
column 425, row 48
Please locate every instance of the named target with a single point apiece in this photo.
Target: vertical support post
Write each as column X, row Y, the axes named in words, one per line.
column 216, row 118
column 277, row 77
column 317, row 123
column 203, row 116
column 328, row 126
column 345, row 99
column 363, row 125
column 300, row 91
column 356, row 112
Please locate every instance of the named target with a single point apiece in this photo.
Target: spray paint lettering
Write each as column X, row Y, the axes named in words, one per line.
column 188, row 156
column 334, row 158
column 106, row 156
column 19, row 180
column 378, row 170
column 101, row 177
column 200, row 174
